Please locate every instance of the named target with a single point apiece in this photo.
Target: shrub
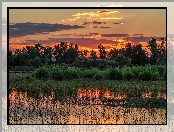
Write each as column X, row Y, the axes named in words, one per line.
column 87, row 73
column 41, row 72
column 98, row 76
column 128, row 74
column 154, row 76
column 71, row 73
column 161, row 69
column 148, row 73
column 114, row 74
column 122, row 61
column 136, row 70
column 57, row 73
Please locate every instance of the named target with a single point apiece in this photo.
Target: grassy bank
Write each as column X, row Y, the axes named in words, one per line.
column 69, row 87
column 59, row 73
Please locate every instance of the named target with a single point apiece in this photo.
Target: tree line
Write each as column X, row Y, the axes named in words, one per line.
column 70, row 54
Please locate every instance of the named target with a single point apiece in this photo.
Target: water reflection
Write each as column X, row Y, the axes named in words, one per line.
column 26, row 110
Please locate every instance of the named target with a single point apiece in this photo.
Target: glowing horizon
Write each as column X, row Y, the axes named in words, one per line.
column 87, row 28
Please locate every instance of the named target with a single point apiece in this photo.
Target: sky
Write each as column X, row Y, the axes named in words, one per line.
column 170, row 10
column 112, row 28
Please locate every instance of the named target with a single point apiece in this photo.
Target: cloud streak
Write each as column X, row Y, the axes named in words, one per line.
column 101, row 27
column 94, row 22
column 114, row 35
column 84, row 42
column 23, row 29
column 141, row 39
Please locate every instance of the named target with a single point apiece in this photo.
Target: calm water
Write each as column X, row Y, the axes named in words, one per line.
column 25, row 110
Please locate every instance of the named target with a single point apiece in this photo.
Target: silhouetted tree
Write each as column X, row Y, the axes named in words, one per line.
column 70, row 55
column 138, row 55
column 122, row 61
column 102, row 51
column 162, row 52
column 20, row 59
column 113, row 53
column 93, row 54
column 152, row 45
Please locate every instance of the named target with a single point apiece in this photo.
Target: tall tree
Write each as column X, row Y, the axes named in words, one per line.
column 152, row 45
column 93, row 54
column 113, row 53
column 102, row 51
column 138, row 55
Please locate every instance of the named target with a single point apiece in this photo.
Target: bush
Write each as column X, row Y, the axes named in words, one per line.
column 41, row 72
column 136, row 70
column 57, row 73
column 114, row 74
column 71, row 73
column 162, row 70
column 122, row 61
column 154, row 76
column 98, row 76
column 89, row 73
column 148, row 73
column 128, row 74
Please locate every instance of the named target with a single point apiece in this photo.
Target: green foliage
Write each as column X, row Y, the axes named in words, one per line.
column 136, row 70
column 62, row 72
column 161, row 69
column 20, row 59
column 36, row 62
column 70, row 87
column 41, row 72
column 89, row 73
column 23, row 68
column 128, row 73
column 59, row 72
column 148, row 73
column 122, row 61
column 114, row 74
column 98, row 76
column 161, row 61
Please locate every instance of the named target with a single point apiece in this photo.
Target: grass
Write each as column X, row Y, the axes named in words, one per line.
column 65, row 81
column 59, row 73
column 69, row 87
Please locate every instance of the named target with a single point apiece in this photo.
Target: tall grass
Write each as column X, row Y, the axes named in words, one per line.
column 69, row 87
column 148, row 72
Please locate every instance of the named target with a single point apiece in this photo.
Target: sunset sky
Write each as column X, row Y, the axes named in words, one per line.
column 86, row 27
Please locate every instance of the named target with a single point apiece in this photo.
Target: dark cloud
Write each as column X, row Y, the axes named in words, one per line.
column 84, row 42
column 138, row 34
column 45, row 33
column 101, row 27
column 24, row 43
column 87, row 35
column 104, row 27
column 94, row 22
column 22, row 29
column 141, row 39
column 103, row 11
column 94, row 33
column 118, row 22
column 114, row 35
column 62, row 35
column 83, row 35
